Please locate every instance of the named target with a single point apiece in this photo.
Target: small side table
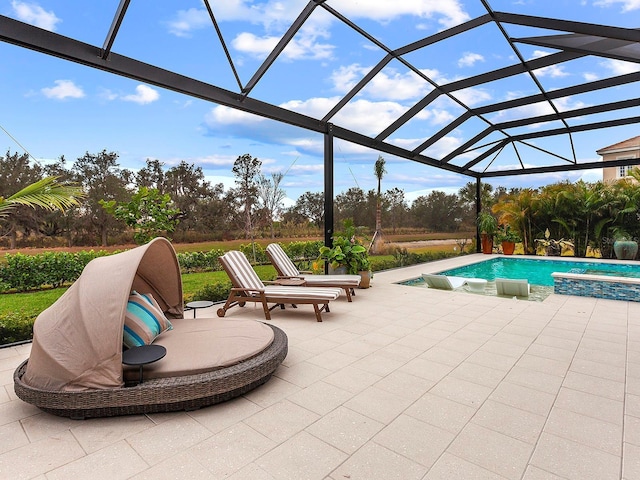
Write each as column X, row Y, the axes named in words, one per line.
column 199, row 304
column 143, row 355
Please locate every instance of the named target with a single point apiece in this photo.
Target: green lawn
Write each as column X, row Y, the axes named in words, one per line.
column 38, row 301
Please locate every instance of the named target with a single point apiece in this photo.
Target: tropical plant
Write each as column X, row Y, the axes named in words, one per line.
column 346, row 251
column 46, row 193
column 517, row 211
column 487, row 223
column 149, row 213
column 552, row 246
column 379, row 171
column 506, row 234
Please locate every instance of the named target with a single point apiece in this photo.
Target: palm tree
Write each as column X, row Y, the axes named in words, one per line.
column 379, row 171
column 46, row 193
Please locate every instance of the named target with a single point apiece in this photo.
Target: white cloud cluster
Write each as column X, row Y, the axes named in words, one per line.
column 553, row 71
column 627, row 5
column 469, row 59
column 35, row 15
column 143, row 95
column 63, row 89
column 186, row 21
column 275, row 16
column 619, row 67
column 450, row 12
column 303, row 46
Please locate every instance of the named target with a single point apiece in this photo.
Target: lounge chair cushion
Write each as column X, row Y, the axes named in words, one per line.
column 443, row 282
column 144, row 320
column 203, row 344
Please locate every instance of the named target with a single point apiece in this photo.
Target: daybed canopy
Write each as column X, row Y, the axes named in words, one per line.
column 77, row 342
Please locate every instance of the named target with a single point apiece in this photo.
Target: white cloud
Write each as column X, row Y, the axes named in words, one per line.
column 450, row 12
column 388, row 84
column 303, row 46
column 590, row 77
column 537, row 109
column 627, row 5
column 35, row 15
column 472, row 96
column 469, row 59
column 619, row 67
column 275, row 16
column 216, row 160
column 307, row 169
column 63, row 89
column 553, row 71
column 256, row 46
column 142, row 96
column 188, row 20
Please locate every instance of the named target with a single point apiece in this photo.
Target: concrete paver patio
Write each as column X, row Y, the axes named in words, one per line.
column 403, row 383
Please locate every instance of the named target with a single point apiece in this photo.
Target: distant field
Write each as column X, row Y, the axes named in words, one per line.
column 235, row 244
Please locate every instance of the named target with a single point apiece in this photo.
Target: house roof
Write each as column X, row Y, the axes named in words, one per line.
column 479, row 136
column 628, row 144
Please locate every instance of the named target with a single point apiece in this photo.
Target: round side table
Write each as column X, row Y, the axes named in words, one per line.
column 143, row 355
column 198, row 304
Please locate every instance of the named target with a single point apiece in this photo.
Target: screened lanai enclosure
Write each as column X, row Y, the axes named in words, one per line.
column 477, row 88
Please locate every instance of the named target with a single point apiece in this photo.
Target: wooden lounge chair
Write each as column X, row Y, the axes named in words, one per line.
column 287, row 269
column 247, row 287
column 443, row 282
column 513, row 288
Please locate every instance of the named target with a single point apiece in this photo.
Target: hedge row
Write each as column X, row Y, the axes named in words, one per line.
column 18, row 326
column 53, row 269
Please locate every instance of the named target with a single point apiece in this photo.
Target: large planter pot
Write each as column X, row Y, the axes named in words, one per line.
column 487, row 243
column 365, row 279
column 508, row 247
column 342, row 270
column 625, row 249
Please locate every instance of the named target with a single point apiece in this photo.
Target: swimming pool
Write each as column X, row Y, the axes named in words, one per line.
column 538, row 271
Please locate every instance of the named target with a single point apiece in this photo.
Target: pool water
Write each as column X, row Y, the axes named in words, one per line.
column 538, row 272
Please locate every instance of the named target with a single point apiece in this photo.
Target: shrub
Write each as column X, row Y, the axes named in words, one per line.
column 16, row 326
column 218, row 291
column 200, row 261
column 250, row 249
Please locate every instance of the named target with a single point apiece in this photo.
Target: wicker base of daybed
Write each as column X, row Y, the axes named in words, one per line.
column 188, row 392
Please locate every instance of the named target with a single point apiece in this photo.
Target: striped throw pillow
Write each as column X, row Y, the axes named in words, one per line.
column 144, row 320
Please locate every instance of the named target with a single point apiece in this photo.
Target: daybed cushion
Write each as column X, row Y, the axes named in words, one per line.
column 203, row 344
column 144, row 320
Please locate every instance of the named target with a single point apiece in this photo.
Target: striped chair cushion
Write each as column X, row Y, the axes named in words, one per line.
column 144, row 320
column 283, row 292
column 281, row 261
column 242, row 274
column 346, row 280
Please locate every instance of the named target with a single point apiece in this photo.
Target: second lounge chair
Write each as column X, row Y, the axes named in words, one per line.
column 247, row 287
column 287, row 269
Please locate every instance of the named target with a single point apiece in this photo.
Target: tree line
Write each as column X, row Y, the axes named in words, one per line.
column 202, row 211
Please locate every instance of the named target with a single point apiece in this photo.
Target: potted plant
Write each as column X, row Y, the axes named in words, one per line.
column 624, row 246
column 487, row 226
column 364, row 268
column 508, row 238
column 552, row 247
column 346, row 253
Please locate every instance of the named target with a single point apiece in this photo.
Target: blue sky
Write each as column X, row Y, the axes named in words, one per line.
column 53, row 107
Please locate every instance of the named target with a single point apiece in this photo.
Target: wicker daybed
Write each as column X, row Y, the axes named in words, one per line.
column 75, row 369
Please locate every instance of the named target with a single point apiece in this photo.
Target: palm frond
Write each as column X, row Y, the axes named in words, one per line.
column 46, row 193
